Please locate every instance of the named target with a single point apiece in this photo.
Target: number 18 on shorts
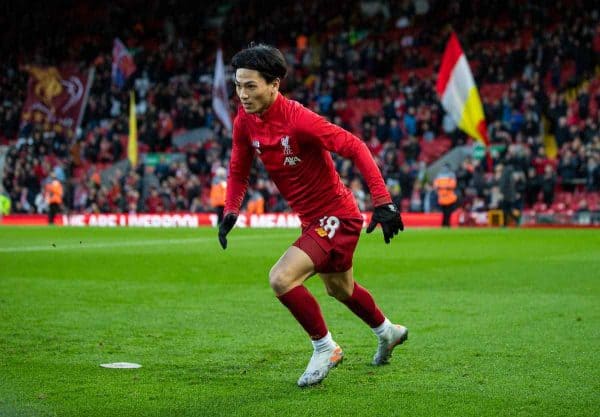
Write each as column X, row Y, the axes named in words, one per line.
column 330, row 242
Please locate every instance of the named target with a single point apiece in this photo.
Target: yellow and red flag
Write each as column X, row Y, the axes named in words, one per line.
column 458, row 93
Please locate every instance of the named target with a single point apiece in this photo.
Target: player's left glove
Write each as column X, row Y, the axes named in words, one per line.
column 389, row 217
column 225, row 227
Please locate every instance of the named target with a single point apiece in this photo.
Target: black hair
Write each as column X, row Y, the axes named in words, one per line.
column 265, row 59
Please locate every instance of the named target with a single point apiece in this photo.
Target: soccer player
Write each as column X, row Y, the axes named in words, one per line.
column 294, row 144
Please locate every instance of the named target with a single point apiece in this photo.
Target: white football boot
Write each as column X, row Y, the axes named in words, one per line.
column 393, row 336
column 320, row 364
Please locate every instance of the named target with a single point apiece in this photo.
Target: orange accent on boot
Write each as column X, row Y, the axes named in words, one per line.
column 337, row 355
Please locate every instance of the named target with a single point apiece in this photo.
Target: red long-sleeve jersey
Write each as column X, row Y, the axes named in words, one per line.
column 294, row 145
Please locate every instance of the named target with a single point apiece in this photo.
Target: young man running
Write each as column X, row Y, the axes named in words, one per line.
column 294, row 145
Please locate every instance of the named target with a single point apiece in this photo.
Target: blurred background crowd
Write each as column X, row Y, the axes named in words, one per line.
column 368, row 66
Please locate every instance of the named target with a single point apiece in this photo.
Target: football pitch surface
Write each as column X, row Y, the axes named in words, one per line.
column 502, row 322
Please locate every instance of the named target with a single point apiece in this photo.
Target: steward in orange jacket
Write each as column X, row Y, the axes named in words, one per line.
column 53, row 192
column 218, row 192
column 445, row 184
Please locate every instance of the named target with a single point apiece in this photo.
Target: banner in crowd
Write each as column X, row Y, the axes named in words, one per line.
column 220, row 99
column 56, row 98
column 122, row 63
column 167, row 220
column 291, row 220
column 458, row 93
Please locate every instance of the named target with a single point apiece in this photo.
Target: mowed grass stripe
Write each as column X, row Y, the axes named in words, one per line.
column 115, row 244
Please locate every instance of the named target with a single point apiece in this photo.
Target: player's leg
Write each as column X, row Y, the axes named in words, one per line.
column 286, row 279
column 359, row 300
column 341, row 285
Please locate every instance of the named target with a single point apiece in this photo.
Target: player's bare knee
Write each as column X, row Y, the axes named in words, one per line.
column 339, row 291
column 279, row 280
column 331, row 291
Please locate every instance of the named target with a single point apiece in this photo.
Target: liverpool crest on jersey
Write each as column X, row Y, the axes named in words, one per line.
column 289, row 158
column 285, row 144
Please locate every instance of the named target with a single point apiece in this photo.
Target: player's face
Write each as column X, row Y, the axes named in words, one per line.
column 254, row 92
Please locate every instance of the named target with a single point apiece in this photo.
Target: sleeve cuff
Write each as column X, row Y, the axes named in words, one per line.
column 380, row 201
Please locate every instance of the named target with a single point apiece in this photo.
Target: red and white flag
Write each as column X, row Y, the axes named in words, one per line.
column 458, row 93
column 220, row 99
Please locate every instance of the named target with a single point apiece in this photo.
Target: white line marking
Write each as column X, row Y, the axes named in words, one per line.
column 129, row 243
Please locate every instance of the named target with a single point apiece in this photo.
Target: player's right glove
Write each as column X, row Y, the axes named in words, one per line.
column 225, row 227
column 389, row 217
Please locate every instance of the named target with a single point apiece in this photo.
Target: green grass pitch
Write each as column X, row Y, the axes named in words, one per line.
column 502, row 322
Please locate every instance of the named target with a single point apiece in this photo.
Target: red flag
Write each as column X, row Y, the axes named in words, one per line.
column 56, row 97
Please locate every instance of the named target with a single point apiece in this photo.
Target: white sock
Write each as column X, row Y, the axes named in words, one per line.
column 324, row 343
column 380, row 330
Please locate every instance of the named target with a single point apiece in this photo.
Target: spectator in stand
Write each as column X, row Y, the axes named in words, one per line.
column 410, row 122
column 464, row 175
column 541, row 162
column 533, row 186
column 508, row 189
column 412, row 149
column 395, row 132
column 548, row 184
column 567, row 170
column 406, row 180
column 154, row 203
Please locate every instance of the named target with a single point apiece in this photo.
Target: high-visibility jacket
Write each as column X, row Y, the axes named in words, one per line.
column 256, row 204
column 218, row 191
column 4, row 205
column 54, row 192
column 445, row 187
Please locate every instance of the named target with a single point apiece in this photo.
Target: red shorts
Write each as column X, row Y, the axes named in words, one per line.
column 330, row 242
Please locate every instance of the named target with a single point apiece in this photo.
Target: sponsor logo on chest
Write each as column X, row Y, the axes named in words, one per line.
column 291, row 160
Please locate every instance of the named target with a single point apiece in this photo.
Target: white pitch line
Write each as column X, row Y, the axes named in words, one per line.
column 130, row 243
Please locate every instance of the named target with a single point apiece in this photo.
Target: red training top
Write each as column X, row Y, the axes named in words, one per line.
column 294, row 144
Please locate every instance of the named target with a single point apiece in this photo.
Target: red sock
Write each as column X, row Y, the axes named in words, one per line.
column 362, row 304
column 306, row 310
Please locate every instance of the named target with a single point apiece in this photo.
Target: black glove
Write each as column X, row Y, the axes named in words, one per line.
column 225, row 227
column 389, row 217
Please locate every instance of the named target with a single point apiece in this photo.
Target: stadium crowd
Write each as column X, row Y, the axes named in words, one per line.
column 538, row 77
